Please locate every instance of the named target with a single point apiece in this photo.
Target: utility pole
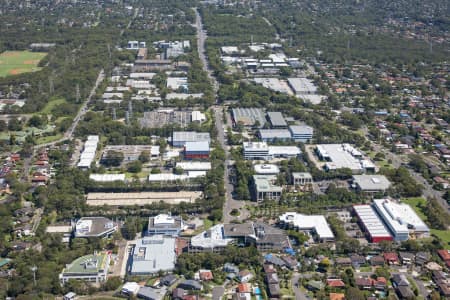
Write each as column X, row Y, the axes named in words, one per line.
column 114, row 115
column 77, row 93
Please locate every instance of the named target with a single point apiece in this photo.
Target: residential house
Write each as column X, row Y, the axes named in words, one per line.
column 314, row 285
column 337, row 296
column 400, row 280
column 168, row 280
column 391, row 258
column 363, row 283
column 377, row 260
column 206, row 275
column 344, row 261
column 405, row 292
column 335, row 283
column 407, row 258
column 245, row 276
column 190, row 285
column 422, row 258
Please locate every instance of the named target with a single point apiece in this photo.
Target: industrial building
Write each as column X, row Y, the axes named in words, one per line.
column 167, row 116
column 261, row 151
column 264, row 188
column 401, row 220
column 301, row 133
column 170, row 177
column 165, row 224
column 89, row 150
column 91, row 268
column 141, row 198
column 338, row 156
column 153, row 254
column 179, row 138
column 196, row 150
column 302, row 178
column 131, row 152
column 302, row 86
column 371, row 183
column 94, row 227
column 107, row 177
column 274, row 84
column 317, row 225
column 372, row 224
column 272, row 135
column 194, row 166
column 276, row 119
column 146, row 65
column 248, row 116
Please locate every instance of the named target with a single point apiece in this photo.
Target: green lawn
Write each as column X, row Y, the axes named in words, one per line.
column 17, row 62
column 48, row 139
column 443, row 235
column 52, row 104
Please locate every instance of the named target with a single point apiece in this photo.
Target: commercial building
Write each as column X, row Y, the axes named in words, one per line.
column 165, row 224
column 153, row 254
column 131, row 152
column 176, row 83
column 264, row 188
column 163, row 117
column 263, row 236
column 145, row 65
column 371, row 183
column 196, row 150
column 170, row 177
column 371, row 224
column 94, row 227
column 211, row 240
column 248, row 116
column 180, row 138
column 107, row 177
column 274, row 84
column 261, row 151
column 272, row 135
column 401, row 220
column 276, row 119
column 143, row 198
column 302, row 86
column 194, row 166
column 266, row 169
column 91, row 268
column 302, row 178
column 89, row 150
column 338, row 156
column 301, row 133
column 317, row 225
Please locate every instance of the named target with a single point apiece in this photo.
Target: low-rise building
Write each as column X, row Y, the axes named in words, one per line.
column 262, row 151
column 90, row 227
column 196, row 150
column 211, row 240
column 165, row 224
column 371, row 183
column 316, row 225
column 372, row 224
column 91, row 268
column 302, row 178
column 301, row 133
column 264, row 188
column 266, row 169
column 153, row 254
column 272, row 135
column 180, row 138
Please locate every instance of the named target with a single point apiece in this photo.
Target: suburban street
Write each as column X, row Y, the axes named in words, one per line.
column 299, row 295
column 230, row 203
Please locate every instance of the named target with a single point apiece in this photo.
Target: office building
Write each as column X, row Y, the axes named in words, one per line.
column 371, row 183
column 301, row 133
column 338, row 156
column 316, row 225
column 272, row 135
column 261, row 151
column 94, row 227
column 266, row 169
column 276, row 119
column 211, row 240
column 90, row 268
column 302, row 178
column 152, row 255
column 165, row 224
column 264, row 188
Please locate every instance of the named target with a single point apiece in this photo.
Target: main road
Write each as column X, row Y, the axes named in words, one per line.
column 230, row 203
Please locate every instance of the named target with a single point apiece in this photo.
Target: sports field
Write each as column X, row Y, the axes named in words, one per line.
column 17, row 62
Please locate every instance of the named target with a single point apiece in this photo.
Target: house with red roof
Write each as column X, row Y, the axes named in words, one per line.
column 391, row 258
column 335, row 283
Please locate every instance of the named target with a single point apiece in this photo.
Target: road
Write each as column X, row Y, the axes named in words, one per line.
column 230, row 203
column 299, row 294
column 397, row 161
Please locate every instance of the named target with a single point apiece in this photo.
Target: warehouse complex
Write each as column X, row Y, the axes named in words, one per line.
column 89, row 150
column 338, row 156
column 389, row 220
column 262, row 151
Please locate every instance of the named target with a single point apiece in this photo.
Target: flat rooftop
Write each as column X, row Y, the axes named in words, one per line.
column 94, row 226
column 340, row 156
column 249, row 116
column 276, row 119
column 152, row 254
column 317, row 223
column 237, row 230
column 211, row 238
column 399, row 216
column 87, row 264
column 116, row 199
column 371, row 182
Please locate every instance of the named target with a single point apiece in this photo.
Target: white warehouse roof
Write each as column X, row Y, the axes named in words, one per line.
column 317, row 223
column 266, row 169
column 107, row 177
column 194, row 166
column 371, row 221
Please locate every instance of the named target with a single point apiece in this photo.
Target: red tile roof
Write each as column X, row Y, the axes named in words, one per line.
column 335, row 283
column 390, row 256
column 244, row 288
column 444, row 254
column 337, row 296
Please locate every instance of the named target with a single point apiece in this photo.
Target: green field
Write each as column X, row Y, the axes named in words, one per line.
column 443, row 235
column 52, row 104
column 17, row 62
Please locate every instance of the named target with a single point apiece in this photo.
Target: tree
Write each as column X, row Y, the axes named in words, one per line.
column 144, row 157
column 113, row 158
column 3, row 126
column 354, row 294
column 36, row 121
column 134, row 166
column 14, row 124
